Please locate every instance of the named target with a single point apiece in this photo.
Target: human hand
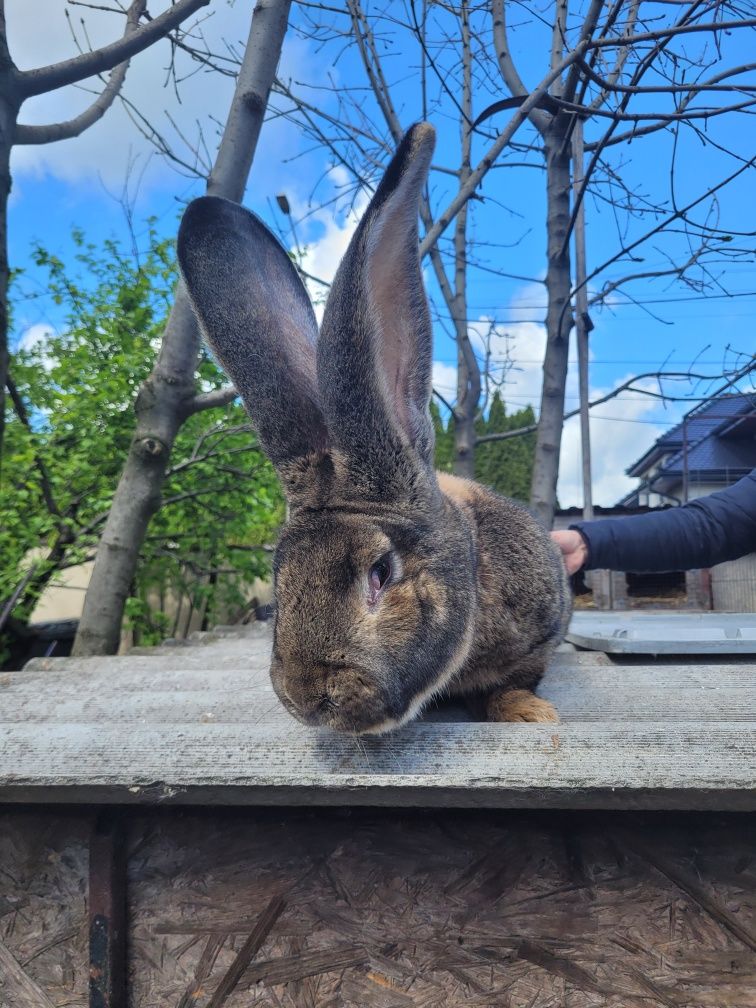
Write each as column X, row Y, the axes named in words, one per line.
column 573, row 547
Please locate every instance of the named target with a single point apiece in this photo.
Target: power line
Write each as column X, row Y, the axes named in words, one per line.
column 698, row 362
column 632, row 302
column 653, row 423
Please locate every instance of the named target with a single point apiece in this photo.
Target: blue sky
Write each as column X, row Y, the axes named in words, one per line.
column 77, row 182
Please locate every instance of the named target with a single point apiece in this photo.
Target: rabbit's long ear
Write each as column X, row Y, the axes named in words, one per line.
column 258, row 320
column 375, row 346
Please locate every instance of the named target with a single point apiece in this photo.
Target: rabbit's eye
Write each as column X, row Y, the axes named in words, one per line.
column 378, row 575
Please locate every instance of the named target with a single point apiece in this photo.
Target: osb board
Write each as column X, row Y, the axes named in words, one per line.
column 43, row 924
column 375, row 910
column 457, row 909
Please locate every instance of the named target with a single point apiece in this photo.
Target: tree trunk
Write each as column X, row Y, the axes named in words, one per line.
column 167, row 396
column 558, row 321
column 9, row 106
column 464, row 424
column 6, row 125
column 468, row 372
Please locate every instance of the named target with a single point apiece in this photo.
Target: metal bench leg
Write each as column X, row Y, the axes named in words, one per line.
column 107, row 913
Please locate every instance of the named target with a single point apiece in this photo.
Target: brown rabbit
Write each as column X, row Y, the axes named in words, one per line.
column 393, row 583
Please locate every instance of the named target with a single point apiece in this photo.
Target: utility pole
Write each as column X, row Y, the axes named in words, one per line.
column 583, row 324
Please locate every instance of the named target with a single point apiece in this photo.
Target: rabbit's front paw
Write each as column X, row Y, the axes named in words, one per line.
column 519, row 705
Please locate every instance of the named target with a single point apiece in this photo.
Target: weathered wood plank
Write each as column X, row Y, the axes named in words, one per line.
column 126, row 670
column 196, row 664
column 195, row 991
column 287, row 968
column 246, row 953
column 232, row 654
column 135, row 678
column 145, row 691
column 254, row 704
column 603, row 765
column 202, row 724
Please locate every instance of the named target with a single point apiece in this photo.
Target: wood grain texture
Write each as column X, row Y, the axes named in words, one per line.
column 262, row 928
column 16, row 986
column 454, row 909
column 43, row 914
column 358, row 908
column 202, row 724
column 456, row 764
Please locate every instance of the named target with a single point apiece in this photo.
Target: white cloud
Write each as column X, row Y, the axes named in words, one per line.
column 34, row 334
column 321, row 256
column 445, row 379
column 39, row 35
column 617, row 436
column 619, row 433
column 33, row 337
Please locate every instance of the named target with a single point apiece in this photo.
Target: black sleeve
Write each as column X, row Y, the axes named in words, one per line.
column 701, row 533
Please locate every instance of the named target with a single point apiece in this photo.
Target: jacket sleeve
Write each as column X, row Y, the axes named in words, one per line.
column 702, row 533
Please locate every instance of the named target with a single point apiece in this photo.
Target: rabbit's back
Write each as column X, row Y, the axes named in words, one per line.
column 524, row 600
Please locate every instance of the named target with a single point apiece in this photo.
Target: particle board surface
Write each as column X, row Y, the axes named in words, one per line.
column 367, row 908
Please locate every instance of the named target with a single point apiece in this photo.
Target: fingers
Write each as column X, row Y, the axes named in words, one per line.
column 573, row 548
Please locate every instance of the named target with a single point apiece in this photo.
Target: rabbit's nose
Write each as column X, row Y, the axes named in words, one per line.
column 309, row 687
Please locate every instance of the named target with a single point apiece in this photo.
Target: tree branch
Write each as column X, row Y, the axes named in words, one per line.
column 586, row 112
column 645, row 64
column 466, row 191
column 624, row 53
column 690, row 89
column 507, row 67
column 505, row 435
column 589, row 26
column 632, row 134
column 677, row 215
column 45, row 482
column 444, row 401
column 213, row 453
column 57, row 75
column 611, row 286
column 607, row 140
column 373, row 68
column 663, row 33
column 212, row 400
column 624, row 387
column 73, row 127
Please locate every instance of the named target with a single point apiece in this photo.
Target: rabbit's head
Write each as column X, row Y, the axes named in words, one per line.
column 374, row 584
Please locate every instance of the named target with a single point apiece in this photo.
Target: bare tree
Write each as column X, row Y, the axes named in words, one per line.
column 624, row 70
column 170, row 393
column 17, row 86
column 459, row 70
column 584, row 94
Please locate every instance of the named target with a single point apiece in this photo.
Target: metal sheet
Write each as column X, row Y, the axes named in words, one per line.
column 664, row 632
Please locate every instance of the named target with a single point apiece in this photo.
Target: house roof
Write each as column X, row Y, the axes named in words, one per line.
column 715, row 437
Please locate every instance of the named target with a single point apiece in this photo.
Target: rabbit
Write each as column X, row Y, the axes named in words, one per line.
column 393, row 583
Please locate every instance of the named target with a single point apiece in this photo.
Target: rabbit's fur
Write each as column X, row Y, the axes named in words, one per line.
column 475, row 596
